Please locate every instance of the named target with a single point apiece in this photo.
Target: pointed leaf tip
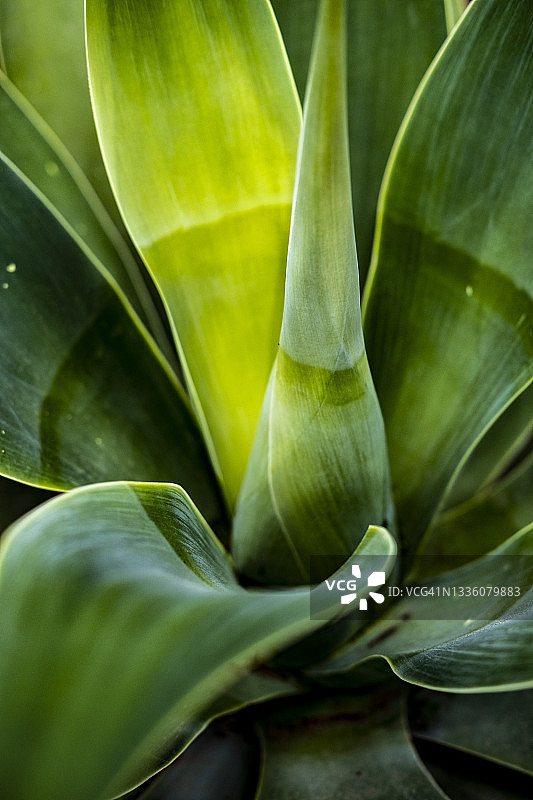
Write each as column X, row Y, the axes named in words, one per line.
column 318, row 474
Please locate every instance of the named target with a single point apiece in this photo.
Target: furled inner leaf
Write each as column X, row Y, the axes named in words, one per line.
column 406, row 34
column 198, row 118
column 318, row 474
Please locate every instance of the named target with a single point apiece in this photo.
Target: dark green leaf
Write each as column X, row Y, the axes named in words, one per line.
column 483, row 523
column 497, row 726
column 85, row 396
column 342, row 748
column 26, row 140
column 496, row 452
column 448, row 311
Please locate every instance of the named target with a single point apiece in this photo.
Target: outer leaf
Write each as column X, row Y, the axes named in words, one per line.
column 496, row 726
column 136, row 623
column 27, row 141
column 461, row 655
column 485, row 521
column 407, row 35
column 342, row 748
column 84, row 396
column 43, row 46
column 199, row 121
column 449, row 313
column 318, row 475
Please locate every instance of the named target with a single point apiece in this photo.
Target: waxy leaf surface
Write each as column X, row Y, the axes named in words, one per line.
column 84, row 394
column 136, row 624
column 199, row 119
column 448, row 312
column 318, row 474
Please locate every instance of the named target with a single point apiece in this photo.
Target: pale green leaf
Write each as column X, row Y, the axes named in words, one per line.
column 485, row 646
column 406, row 35
column 496, row 726
column 448, row 312
column 343, row 748
column 199, row 119
column 136, row 624
column 26, row 140
column 84, row 394
column 318, row 474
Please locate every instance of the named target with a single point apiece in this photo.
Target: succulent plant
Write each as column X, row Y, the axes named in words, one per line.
column 307, row 574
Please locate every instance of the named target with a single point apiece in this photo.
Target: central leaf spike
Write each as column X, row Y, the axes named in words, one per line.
column 318, row 474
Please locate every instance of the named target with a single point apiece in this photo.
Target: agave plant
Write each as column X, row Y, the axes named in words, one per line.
column 168, row 625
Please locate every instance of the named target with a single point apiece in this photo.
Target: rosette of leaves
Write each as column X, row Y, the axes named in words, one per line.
column 156, row 634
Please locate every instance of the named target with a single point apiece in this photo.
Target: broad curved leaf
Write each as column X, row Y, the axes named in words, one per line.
column 406, row 35
column 342, row 748
column 485, row 645
column 26, row 140
column 496, row 726
column 199, row 119
column 318, row 474
column 136, row 623
column 85, row 396
column 448, row 312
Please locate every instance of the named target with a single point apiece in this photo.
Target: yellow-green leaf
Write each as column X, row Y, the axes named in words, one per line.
column 198, row 118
